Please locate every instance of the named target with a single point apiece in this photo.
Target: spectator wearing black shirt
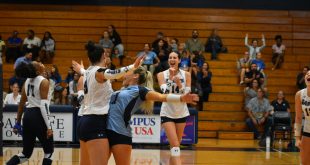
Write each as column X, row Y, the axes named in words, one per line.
column 280, row 104
column 214, row 44
column 252, row 74
column 301, row 78
column 162, row 52
column 160, row 36
column 117, row 42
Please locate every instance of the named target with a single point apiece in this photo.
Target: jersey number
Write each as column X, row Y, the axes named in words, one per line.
column 30, row 90
column 85, row 87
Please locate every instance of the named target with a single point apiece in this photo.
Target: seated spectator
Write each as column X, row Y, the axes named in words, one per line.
column 254, row 48
column 301, row 78
column 252, row 74
column 173, row 44
column 258, row 111
column 204, row 78
column 186, row 61
column 278, row 51
column 117, row 43
column 251, row 91
column 14, row 97
column 195, row 84
column 61, row 96
column 214, row 44
column 105, row 41
column 13, row 47
column 2, row 48
column 32, row 44
column 162, row 52
column 280, row 104
column 150, row 58
column 27, row 58
column 70, row 75
column 109, row 63
column 47, row 48
column 73, row 92
column 159, row 36
column 55, row 76
column 14, row 79
column 243, row 65
column 260, row 65
column 194, row 44
column 198, row 59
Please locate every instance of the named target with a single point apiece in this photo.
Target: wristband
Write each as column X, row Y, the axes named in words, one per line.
column 82, row 71
column 173, row 98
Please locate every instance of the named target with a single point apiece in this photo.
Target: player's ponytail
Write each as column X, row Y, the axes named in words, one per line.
column 145, row 79
column 24, row 70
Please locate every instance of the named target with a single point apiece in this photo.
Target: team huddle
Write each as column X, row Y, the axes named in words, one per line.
column 103, row 127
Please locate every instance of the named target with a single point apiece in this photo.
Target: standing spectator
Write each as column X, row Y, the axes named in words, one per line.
column 301, row 78
column 278, row 51
column 194, row 44
column 2, row 47
column 251, row 91
column 70, row 75
column 243, row 65
column 214, row 44
column 162, row 52
column 105, row 41
column 32, row 44
column 258, row 111
column 117, row 42
column 73, row 92
column 14, row 97
column 280, row 104
column 27, row 58
column 47, row 48
column 253, row 74
column 149, row 59
column 13, row 47
column 254, row 48
column 204, row 78
column 159, row 36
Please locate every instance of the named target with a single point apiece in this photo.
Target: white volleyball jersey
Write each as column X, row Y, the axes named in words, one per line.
column 305, row 104
column 96, row 95
column 177, row 109
column 32, row 89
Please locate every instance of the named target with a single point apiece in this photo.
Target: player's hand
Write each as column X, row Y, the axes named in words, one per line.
column 298, row 142
column 18, row 129
column 139, row 61
column 190, row 98
column 49, row 133
column 76, row 66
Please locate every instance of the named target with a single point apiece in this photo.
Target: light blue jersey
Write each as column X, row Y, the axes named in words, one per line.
column 123, row 104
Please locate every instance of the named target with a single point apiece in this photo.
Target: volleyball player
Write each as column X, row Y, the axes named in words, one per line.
column 35, row 120
column 173, row 115
column 91, row 128
column 124, row 103
column 302, row 105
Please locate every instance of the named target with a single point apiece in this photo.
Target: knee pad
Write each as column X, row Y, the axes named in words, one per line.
column 175, row 151
column 47, row 161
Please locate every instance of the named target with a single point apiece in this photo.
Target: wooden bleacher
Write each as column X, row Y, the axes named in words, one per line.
column 223, row 116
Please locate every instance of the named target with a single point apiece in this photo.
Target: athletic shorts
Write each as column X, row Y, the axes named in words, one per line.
column 307, row 134
column 116, row 138
column 92, row 127
column 165, row 119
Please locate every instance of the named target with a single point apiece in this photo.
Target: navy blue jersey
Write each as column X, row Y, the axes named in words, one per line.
column 123, row 104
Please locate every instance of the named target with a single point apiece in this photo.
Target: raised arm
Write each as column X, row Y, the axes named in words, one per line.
column 264, row 43
column 246, row 40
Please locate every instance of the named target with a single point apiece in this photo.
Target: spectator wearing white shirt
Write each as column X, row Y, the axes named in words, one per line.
column 73, row 92
column 14, row 97
column 47, row 48
column 32, row 44
column 254, row 48
column 278, row 51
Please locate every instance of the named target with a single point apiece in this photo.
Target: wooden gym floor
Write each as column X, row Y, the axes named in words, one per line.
column 206, row 152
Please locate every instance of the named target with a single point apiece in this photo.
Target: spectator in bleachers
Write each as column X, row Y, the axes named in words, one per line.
column 14, row 79
column 151, row 60
column 278, row 51
column 194, row 44
column 109, row 63
column 280, row 104
column 27, row 58
column 254, row 48
column 301, row 78
column 105, row 41
column 32, row 44
column 117, row 42
column 173, row 44
column 258, row 110
column 73, row 92
column 47, row 48
column 2, row 48
column 243, row 65
column 159, row 36
column 61, row 97
column 14, row 97
column 214, row 44
column 70, row 75
column 186, row 61
column 252, row 74
column 195, row 84
column 204, row 78
column 260, row 66
column 55, row 76
column 162, row 52
column 198, row 59
column 13, row 47
column 251, row 91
